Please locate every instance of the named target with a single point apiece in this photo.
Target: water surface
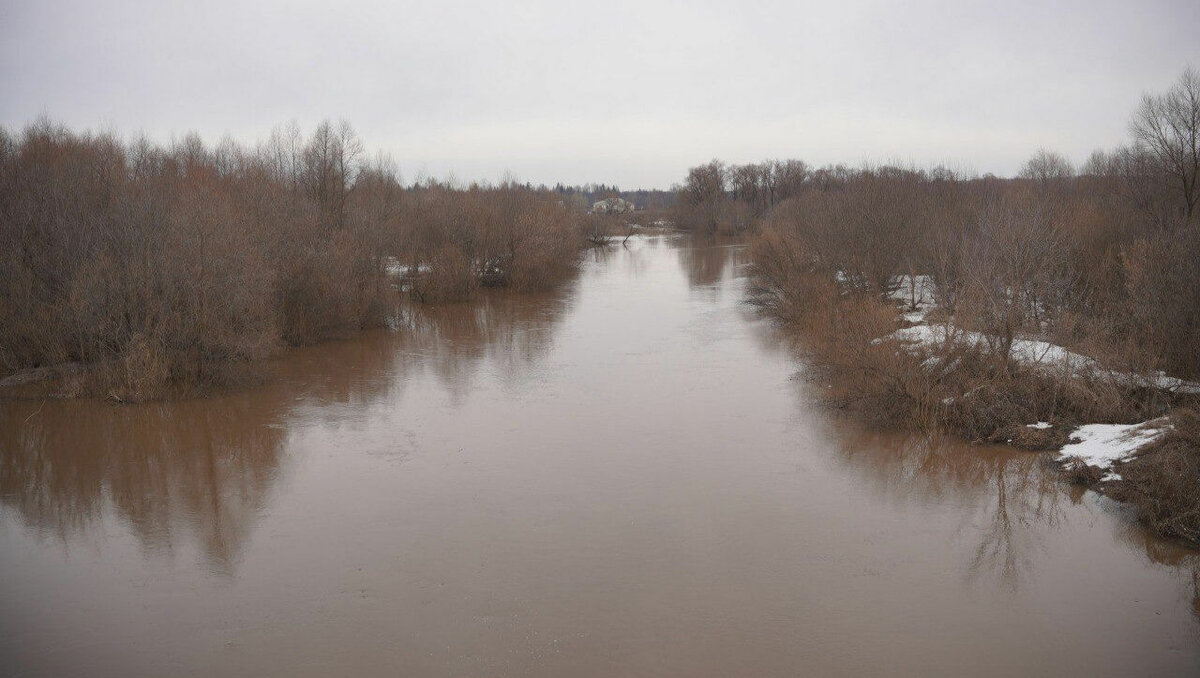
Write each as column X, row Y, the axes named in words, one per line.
column 628, row 477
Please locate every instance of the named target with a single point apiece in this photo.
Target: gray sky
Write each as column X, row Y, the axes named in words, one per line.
column 617, row 92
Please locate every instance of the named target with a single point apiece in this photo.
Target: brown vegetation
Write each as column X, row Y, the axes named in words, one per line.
column 1161, row 480
column 137, row 270
column 728, row 199
column 1105, row 263
column 502, row 236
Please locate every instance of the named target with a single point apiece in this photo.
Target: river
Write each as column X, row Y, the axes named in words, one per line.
column 628, row 477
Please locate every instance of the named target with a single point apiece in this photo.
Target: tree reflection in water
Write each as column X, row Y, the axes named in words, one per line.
column 1172, row 556
column 1026, row 502
column 1009, row 501
column 197, row 469
column 510, row 331
column 203, row 469
column 711, row 260
column 200, row 468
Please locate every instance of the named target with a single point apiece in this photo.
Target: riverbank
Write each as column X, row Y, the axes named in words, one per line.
column 617, row 477
column 903, row 361
column 136, row 271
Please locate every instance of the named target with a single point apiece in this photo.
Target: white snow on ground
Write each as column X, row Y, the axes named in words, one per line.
column 1041, row 425
column 393, row 267
column 905, row 284
column 1038, row 353
column 1032, row 352
column 1029, row 351
column 1161, row 380
column 1100, row 445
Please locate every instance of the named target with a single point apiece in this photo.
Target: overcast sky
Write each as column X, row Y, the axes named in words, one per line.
column 631, row 93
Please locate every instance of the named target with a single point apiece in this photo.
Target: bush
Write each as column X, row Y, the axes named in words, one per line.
column 1161, row 481
column 502, row 236
column 168, row 269
column 451, row 277
column 142, row 271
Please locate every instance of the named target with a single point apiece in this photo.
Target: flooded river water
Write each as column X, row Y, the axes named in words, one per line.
column 629, row 477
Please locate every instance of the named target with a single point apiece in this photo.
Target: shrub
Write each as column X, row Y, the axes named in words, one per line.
column 171, row 269
column 1161, row 481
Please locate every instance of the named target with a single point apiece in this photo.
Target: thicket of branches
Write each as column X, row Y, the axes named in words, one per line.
column 730, row 199
column 1104, row 261
column 1075, row 260
column 139, row 269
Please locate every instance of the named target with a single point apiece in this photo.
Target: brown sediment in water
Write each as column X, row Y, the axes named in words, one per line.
column 621, row 478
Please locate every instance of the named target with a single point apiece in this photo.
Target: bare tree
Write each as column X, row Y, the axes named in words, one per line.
column 1099, row 164
column 1168, row 127
column 1014, row 268
column 330, row 163
column 790, row 178
column 1047, row 167
column 283, row 154
column 701, row 196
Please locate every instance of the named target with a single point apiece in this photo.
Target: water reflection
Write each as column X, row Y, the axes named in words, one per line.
column 201, row 470
column 1009, row 502
column 624, row 481
column 353, row 372
column 1023, row 497
column 197, row 469
column 711, row 260
column 511, row 332
column 1169, row 555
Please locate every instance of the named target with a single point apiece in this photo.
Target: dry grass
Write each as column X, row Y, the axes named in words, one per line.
column 1162, row 482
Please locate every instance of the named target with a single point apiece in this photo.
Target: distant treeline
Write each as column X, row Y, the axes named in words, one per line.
column 134, row 270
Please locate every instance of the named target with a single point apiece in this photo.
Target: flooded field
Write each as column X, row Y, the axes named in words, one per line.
column 629, row 477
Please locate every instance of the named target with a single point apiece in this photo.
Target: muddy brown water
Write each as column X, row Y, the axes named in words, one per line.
column 628, row 477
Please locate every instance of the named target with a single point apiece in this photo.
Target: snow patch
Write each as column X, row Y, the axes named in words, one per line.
column 1041, row 425
column 1100, row 445
column 393, row 267
column 913, row 290
column 1037, row 353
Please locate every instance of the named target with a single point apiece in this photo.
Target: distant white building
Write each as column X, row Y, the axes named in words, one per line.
column 612, row 206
